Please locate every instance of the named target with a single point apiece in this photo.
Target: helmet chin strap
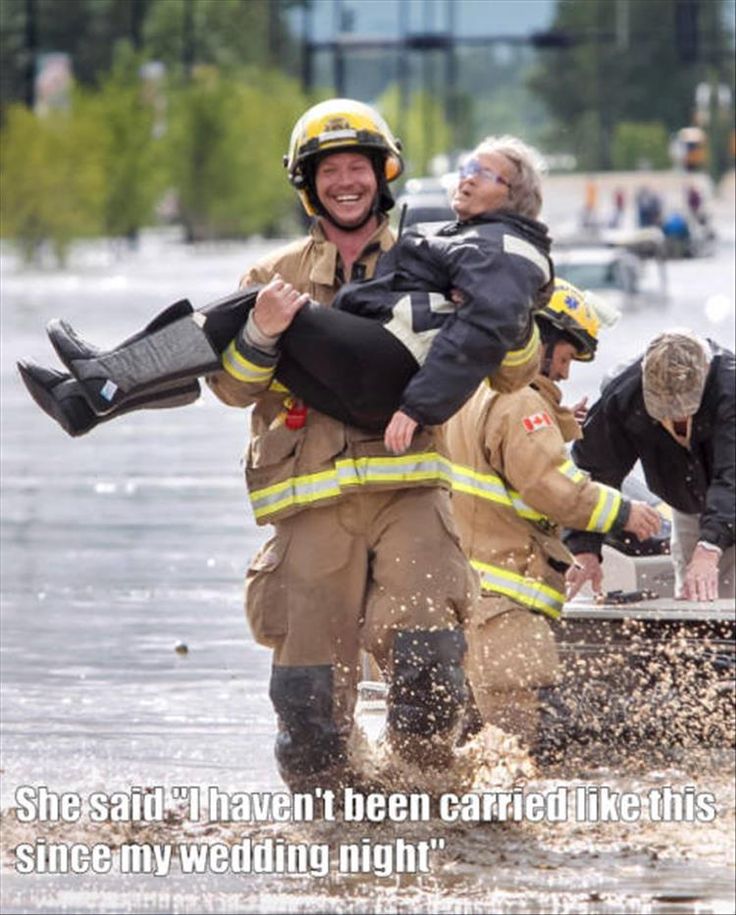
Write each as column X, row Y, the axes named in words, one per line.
column 548, row 352
column 353, row 227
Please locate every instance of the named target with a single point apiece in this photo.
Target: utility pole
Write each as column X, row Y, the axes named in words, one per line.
column 188, row 50
column 31, row 47
column 137, row 18
column 307, row 44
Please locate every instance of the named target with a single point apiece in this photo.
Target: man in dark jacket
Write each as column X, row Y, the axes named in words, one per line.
column 675, row 411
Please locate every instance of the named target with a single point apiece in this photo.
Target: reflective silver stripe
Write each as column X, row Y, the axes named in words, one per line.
column 524, row 510
column 572, row 472
column 528, row 592
column 295, row 491
column 606, row 510
column 239, row 367
column 327, row 484
column 484, row 485
column 514, row 245
column 401, row 326
column 491, row 487
column 428, row 465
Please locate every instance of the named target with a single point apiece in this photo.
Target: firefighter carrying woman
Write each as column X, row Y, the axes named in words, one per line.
column 343, row 457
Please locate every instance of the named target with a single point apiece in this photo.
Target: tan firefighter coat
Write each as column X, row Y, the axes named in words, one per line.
column 288, row 470
column 514, row 486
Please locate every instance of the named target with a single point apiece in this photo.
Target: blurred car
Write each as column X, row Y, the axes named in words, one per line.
column 617, row 271
column 425, row 200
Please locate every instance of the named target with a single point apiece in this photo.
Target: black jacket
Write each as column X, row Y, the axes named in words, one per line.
column 618, row 431
column 499, row 262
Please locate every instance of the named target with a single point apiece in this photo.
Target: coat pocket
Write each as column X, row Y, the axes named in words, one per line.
column 274, row 445
column 266, row 592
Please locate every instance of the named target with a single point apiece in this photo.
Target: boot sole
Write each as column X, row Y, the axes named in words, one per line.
column 45, row 399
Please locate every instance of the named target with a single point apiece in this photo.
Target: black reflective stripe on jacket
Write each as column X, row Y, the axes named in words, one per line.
column 618, row 431
column 500, row 264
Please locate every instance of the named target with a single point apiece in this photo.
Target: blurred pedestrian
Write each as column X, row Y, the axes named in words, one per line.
column 619, row 208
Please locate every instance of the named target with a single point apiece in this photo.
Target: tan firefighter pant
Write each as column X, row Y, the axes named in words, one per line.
column 511, row 654
column 344, row 576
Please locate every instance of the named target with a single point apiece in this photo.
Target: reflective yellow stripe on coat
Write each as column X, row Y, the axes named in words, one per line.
column 605, row 511
column 491, row 487
column 243, row 369
column 529, row 592
column 516, row 357
column 606, row 508
column 312, row 488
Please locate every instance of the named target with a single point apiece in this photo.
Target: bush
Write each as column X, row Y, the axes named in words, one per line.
column 225, row 143
column 640, row 145
column 130, row 153
column 100, row 169
column 422, row 128
column 52, row 180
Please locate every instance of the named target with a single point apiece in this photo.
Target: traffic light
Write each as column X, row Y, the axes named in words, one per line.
column 553, row 38
column 686, row 30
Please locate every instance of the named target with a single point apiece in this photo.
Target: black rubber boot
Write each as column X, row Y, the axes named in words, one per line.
column 61, row 397
column 426, row 695
column 179, row 344
column 308, row 745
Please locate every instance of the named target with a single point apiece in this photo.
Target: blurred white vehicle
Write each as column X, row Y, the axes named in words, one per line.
column 627, row 271
column 425, row 200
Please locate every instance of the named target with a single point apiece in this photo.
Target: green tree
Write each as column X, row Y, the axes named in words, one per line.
column 637, row 145
column 225, row 142
column 622, row 70
column 422, row 127
column 52, row 180
column 87, row 30
column 130, row 153
column 228, row 33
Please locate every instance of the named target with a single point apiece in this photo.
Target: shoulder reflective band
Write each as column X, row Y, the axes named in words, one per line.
column 572, row 472
column 310, row 488
column 491, row 487
column 239, row 367
column 519, row 356
column 512, row 244
column 529, row 592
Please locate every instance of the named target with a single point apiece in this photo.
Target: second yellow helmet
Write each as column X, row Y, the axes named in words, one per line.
column 570, row 313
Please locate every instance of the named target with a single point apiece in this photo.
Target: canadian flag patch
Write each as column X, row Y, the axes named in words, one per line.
column 536, row 421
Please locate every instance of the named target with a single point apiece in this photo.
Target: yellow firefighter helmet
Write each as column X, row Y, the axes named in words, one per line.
column 340, row 125
column 570, row 312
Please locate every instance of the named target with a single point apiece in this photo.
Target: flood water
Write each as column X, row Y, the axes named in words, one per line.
column 121, row 545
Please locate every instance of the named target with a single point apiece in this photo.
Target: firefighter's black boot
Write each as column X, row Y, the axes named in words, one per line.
column 427, row 695
column 62, row 398
column 309, row 747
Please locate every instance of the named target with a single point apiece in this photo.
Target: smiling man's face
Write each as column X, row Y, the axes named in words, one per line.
column 346, row 186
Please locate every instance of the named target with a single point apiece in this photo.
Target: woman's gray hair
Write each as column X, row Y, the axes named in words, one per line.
column 525, row 193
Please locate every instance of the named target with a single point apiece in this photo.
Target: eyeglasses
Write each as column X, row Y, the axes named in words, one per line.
column 473, row 168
